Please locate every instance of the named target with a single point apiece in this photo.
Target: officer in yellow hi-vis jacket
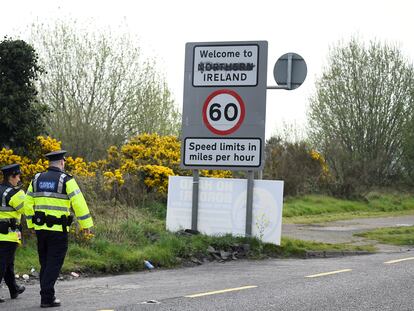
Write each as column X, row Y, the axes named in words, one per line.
column 11, row 209
column 49, row 198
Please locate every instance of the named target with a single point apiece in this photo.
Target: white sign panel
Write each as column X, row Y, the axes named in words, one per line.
column 222, row 207
column 226, row 152
column 231, row 65
column 225, row 85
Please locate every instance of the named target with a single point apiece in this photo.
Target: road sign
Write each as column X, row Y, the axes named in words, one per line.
column 290, row 70
column 223, row 112
column 224, row 106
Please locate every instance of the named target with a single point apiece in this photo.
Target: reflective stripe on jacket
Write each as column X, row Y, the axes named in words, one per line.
column 54, row 193
column 11, row 208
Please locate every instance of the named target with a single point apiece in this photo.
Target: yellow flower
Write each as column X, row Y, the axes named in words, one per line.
column 319, row 157
column 78, row 167
column 48, row 144
column 216, row 173
column 113, row 179
column 156, row 177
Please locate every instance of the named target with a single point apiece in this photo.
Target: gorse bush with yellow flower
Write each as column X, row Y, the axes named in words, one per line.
column 147, row 159
column 113, row 179
column 37, row 163
column 77, row 166
column 156, row 177
column 152, row 158
column 47, row 144
column 322, row 162
column 153, row 149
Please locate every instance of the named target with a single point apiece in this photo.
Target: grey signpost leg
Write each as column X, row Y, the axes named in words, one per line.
column 249, row 203
column 194, row 212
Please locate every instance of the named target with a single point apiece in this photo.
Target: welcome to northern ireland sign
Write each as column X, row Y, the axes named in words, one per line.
column 224, row 105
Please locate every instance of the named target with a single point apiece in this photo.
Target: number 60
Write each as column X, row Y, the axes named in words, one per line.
column 215, row 112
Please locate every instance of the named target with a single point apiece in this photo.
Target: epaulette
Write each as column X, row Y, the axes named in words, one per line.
column 69, row 175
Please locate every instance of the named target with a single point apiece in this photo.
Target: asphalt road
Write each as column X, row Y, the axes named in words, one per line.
column 356, row 283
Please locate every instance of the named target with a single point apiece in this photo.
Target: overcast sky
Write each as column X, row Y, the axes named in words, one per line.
column 307, row 27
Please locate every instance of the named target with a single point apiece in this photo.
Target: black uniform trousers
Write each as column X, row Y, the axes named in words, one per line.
column 7, row 253
column 51, row 247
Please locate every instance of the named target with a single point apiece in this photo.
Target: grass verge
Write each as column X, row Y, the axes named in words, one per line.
column 171, row 250
column 125, row 237
column 394, row 235
column 319, row 208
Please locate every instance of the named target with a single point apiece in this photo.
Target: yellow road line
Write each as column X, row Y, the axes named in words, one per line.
column 399, row 260
column 327, row 273
column 220, row 291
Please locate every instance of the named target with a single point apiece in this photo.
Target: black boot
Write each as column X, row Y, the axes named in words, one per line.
column 19, row 289
column 55, row 303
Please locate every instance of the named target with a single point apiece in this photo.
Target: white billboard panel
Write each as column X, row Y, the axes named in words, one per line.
column 222, row 207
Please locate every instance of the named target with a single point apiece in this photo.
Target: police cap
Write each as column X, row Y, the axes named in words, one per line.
column 55, row 155
column 12, row 169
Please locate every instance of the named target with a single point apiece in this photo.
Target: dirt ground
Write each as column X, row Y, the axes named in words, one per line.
column 342, row 231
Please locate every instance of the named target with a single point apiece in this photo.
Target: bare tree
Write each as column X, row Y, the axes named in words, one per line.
column 359, row 111
column 99, row 87
column 408, row 150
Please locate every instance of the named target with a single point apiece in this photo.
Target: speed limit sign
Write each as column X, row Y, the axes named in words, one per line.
column 223, row 112
column 224, row 105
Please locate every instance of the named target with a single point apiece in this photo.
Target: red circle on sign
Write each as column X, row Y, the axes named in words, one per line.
column 235, row 126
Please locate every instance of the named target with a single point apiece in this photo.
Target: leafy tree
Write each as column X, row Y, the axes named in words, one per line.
column 358, row 114
column 100, row 89
column 21, row 116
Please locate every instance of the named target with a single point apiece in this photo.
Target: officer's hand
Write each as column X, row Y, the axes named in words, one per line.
column 87, row 231
column 87, row 234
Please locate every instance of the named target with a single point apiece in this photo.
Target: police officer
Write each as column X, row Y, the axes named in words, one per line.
column 49, row 198
column 11, row 209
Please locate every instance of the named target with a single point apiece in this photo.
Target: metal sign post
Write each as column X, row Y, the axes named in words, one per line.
column 194, row 211
column 249, row 203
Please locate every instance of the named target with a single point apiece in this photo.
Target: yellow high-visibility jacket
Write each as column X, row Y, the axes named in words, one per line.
column 11, row 208
column 54, row 192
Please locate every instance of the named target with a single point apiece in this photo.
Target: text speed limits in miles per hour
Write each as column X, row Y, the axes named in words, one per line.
column 223, row 152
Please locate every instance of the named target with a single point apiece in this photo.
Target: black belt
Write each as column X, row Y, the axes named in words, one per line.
column 10, row 223
column 40, row 218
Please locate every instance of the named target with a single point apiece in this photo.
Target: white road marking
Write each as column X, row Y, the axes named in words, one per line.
column 399, row 260
column 220, row 291
column 327, row 273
